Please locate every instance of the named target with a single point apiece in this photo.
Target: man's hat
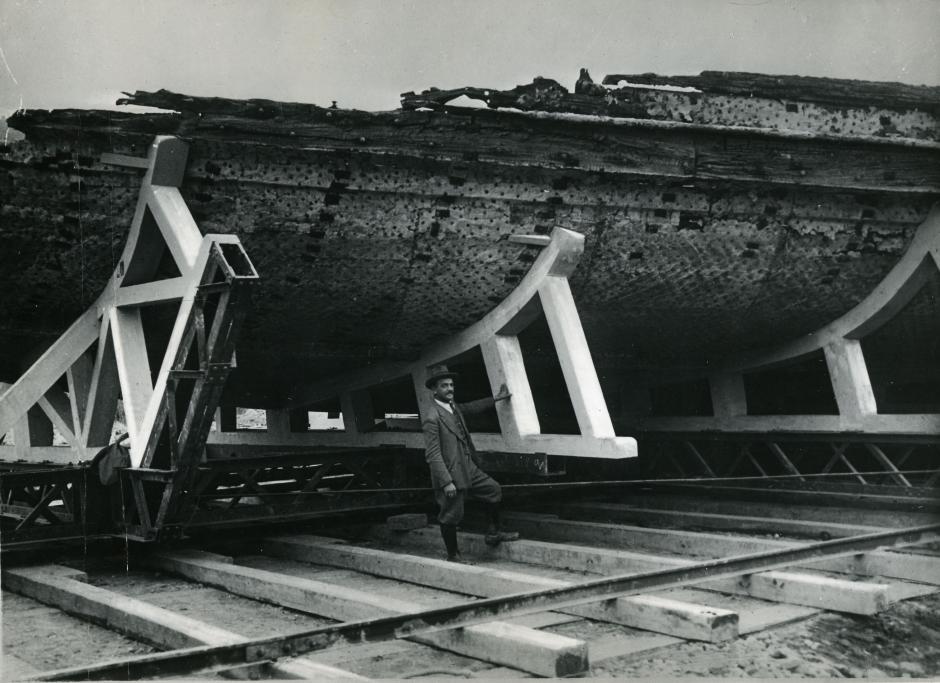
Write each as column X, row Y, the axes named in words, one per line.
column 438, row 372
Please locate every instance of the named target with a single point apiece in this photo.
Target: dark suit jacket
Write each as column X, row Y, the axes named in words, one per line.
column 449, row 449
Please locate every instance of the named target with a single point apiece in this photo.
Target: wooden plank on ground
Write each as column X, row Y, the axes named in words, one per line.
column 647, row 612
column 801, row 510
column 59, row 586
column 685, row 543
column 791, row 587
column 875, row 563
column 617, row 512
column 545, row 654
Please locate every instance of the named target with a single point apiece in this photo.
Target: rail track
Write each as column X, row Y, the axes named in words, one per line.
column 709, row 563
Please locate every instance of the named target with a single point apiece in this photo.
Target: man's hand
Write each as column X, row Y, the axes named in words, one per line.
column 450, row 490
column 503, row 393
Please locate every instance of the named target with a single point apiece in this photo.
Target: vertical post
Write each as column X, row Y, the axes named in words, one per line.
column 850, row 381
column 502, row 356
column 575, row 357
column 78, row 378
column 225, row 420
column 34, row 429
column 103, row 393
column 729, row 398
column 425, row 402
column 133, row 367
column 299, row 420
column 357, row 409
column 277, row 421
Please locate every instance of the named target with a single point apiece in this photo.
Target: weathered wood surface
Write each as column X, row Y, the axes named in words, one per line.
column 843, row 92
column 61, row 587
column 545, row 654
column 741, row 236
column 647, row 612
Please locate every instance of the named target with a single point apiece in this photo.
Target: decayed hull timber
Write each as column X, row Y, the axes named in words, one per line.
column 711, row 227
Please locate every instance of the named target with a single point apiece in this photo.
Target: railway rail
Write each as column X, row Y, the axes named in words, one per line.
column 593, row 581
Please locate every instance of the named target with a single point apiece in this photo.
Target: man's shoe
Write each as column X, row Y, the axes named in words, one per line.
column 494, row 538
column 456, row 558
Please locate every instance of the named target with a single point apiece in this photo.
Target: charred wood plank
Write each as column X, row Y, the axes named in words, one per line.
column 835, row 91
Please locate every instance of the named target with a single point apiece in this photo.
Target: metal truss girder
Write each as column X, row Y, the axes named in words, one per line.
column 869, row 459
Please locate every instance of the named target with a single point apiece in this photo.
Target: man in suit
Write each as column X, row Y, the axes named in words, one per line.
column 455, row 469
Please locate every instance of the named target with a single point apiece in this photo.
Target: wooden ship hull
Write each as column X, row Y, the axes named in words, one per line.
column 729, row 240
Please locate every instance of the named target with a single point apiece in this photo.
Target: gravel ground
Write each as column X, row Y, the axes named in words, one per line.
column 901, row 642
column 40, row 638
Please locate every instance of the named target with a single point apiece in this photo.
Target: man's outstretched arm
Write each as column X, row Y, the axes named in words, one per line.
column 481, row 404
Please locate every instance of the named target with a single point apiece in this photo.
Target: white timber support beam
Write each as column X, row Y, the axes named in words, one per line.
column 840, row 341
column 356, row 407
column 425, row 401
column 46, row 371
column 850, row 380
column 502, row 356
column 149, row 293
column 55, row 405
column 277, row 421
column 176, row 225
column 121, row 368
column 130, row 352
column 104, row 392
column 78, row 379
column 545, row 284
column 584, row 388
column 729, row 398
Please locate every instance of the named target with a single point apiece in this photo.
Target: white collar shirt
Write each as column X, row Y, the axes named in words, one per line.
column 445, row 406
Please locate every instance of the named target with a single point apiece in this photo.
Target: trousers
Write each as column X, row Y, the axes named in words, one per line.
column 482, row 487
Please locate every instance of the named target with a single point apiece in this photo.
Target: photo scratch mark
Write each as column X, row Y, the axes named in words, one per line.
column 7, row 66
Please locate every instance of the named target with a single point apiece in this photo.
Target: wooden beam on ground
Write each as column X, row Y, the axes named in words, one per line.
column 895, row 565
column 550, row 528
column 485, row 610
column 651, row 613
column 59, row 586
column 618, row 512
column 700, row 544
column 724, row 504
column 545, row 654
column 790, row 587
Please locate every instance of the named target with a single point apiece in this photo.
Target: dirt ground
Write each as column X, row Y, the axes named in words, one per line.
column 901, row 642
column 40, row 638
